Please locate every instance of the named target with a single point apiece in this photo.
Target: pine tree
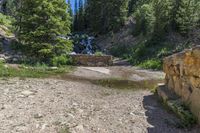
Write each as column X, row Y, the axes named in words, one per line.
column 70, row 13
column 40, row 27
column 145, row 20
column 106, row 15
column 131, row 6
column 162, row 9
column 70, row 9
column 81, row 16
column 187, row 15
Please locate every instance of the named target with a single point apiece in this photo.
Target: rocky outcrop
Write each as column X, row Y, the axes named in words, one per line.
column 183, row 77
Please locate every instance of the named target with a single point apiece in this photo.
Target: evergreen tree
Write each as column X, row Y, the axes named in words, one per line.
column 187, row 16
column 40, row 27
column 70, row 13
column 131, row 6
column 81, row 16
column 70, row 9
column 162, row 9
column 106, row 15
column 145, row 20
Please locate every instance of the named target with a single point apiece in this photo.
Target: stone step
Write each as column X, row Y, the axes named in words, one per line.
column 165, row 94
column 182, row 111
column 175, row 104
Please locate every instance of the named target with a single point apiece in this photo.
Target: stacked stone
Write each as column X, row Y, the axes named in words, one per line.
column 183, row 77
column 92, row 60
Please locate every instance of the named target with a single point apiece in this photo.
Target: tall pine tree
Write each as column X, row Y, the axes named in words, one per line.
column 40, row 27
column 106, row 15
column 187, row 16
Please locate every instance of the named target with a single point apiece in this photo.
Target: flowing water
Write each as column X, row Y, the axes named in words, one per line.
column 83, row 44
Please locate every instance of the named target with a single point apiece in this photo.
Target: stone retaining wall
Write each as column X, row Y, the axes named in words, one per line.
column 92, row 60
column 183, row 77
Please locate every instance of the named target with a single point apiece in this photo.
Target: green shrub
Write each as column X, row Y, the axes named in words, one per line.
column 139, row 53
column 164, row 52
column 61, row 60
column 5, row 20
column 120, row 50
column 25, row 71
column 154, row 64
column 98, row 53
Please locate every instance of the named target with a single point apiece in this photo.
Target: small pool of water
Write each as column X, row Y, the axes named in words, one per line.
column 117, row 83
column 128, row 84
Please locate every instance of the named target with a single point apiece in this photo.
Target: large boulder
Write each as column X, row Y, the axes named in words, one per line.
column 183, row 77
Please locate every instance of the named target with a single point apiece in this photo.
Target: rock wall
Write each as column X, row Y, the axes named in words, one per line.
column 183, row 77
column 92, row 60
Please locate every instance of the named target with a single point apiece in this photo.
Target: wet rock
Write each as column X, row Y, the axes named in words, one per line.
column 2, row 56
column 15, row 59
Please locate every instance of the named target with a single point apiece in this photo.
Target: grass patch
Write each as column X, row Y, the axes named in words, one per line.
column 31, row 71
column 154, row 64
column 186, row 118
column 183, row 112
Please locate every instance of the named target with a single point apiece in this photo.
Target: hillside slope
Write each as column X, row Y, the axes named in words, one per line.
column 139, row 51
column 123, row 37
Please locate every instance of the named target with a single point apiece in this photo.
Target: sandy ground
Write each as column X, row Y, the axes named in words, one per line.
column 59, row 106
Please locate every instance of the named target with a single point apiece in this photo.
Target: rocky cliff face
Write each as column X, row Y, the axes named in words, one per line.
column 183, row 77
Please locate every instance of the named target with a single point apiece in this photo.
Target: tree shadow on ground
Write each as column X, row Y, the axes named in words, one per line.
column 162, row 121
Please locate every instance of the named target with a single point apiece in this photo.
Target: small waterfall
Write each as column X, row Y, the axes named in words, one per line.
column 83, row 44
column 87, row 43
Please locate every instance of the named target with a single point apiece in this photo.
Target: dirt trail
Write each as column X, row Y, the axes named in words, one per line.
column 62, row 106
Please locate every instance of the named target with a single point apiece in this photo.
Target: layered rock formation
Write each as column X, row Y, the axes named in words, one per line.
column 183, row 77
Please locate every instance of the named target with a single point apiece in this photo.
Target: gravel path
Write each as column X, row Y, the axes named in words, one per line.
column 51, row 106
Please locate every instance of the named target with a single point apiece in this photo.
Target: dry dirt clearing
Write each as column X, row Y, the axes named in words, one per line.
column 63, row 106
